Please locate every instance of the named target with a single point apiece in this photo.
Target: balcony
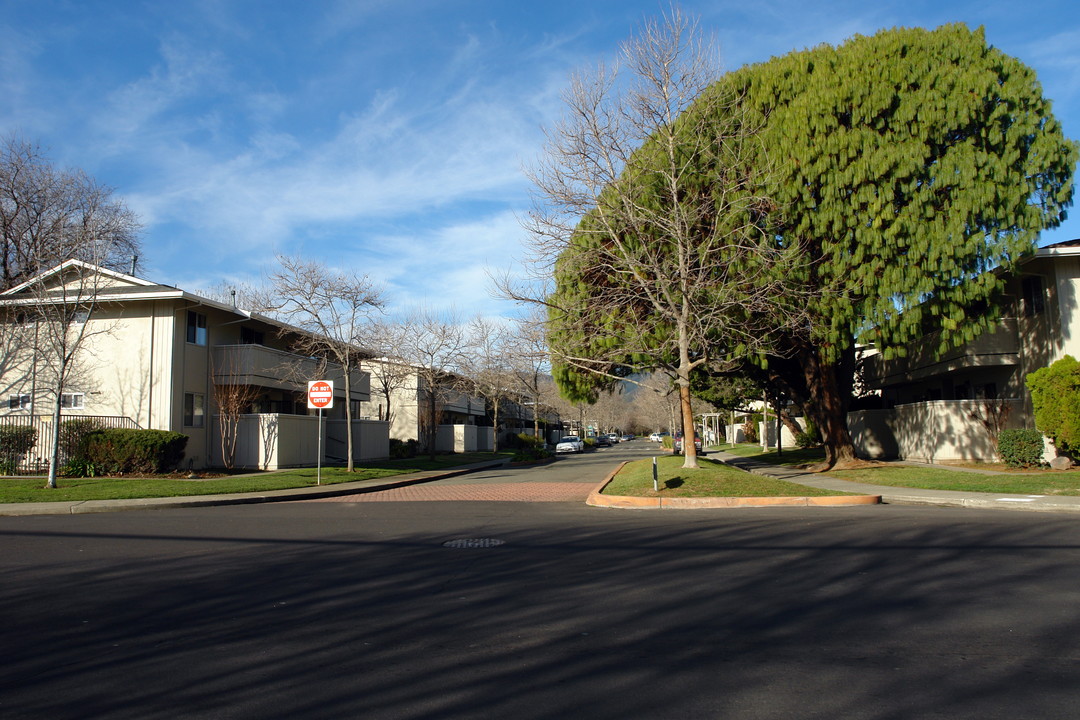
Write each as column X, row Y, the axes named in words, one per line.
column 266, row 367
column 998, row 347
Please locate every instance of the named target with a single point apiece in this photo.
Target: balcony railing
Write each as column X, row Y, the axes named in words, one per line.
column 267, row 367
column 999, row 346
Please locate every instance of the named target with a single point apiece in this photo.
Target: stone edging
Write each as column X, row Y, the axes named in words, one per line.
column 596, row 499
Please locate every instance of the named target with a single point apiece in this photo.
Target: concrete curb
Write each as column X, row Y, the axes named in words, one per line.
column 597, row 499
column 77, row 507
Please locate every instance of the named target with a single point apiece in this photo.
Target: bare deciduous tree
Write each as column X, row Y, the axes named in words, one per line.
column 647, row 214
column 436, row 348
column 58, row 309
column 487, row 367
column 389, row 370
column 529, row 361
column 232, row 400
column 331, row 308
column 49, row 215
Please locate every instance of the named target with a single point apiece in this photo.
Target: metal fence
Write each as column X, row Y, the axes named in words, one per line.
column 25, row 439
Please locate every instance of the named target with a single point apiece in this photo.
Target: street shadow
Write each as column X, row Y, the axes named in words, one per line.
column 359, row 610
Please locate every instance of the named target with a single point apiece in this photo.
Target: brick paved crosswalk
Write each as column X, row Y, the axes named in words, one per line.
column 481, row 492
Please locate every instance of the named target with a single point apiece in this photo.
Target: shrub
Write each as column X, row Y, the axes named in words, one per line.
column 125, row 451
column 15, row 442
column 79, row 467
column 400, row 449
column 1021, row 448
column 750, row 431
column 531, row 454
column 808, row 438
column 527, row 441
column 73, row 437
column 667, row 442
column 1055, row 395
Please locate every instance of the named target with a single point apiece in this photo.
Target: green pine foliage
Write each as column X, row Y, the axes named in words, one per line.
column 1055, row 395
column 908, row 166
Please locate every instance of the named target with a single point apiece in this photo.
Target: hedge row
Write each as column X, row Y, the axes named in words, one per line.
column 126, row 451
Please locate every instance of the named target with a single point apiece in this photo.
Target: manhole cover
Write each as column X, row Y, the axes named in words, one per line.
column 473, row 543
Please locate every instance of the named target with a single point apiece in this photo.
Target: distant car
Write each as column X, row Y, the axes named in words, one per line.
column 602, row 441
column 570, row 444
column 678, row 445
column 613, row 437
column 627, row 438
column 659, row 436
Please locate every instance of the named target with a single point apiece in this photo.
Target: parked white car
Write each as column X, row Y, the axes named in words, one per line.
column 570, row 444
column 658, row 436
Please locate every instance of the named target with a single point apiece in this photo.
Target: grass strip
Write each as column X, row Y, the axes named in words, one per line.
column 31, row 489
column 1030, row 482
column 1044, row 483
column 713, row 479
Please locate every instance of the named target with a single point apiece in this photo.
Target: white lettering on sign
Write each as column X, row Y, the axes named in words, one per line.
column 320, row 394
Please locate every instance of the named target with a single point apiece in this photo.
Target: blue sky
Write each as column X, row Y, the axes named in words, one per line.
column 389, row 136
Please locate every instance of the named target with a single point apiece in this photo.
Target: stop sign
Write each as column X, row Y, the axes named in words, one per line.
column 320, row 394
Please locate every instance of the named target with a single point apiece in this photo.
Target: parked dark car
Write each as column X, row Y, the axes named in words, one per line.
column 678, row 445
column 602, row 441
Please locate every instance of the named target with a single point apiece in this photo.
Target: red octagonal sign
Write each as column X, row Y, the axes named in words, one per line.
column 320, row 394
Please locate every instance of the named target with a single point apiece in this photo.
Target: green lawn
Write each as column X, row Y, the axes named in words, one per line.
column 714, row 479
column 31, row 489
column 1040, row 483
column 1036, row 482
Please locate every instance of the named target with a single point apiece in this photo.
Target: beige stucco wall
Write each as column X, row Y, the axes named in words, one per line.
column 938, row 431
column 1068, row 306
column 122, row 368
column 272, row 441
column 371, row 440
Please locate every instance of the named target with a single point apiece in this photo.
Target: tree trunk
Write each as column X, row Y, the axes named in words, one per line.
column 789, row 422
column 350, row 466
column 54, row 442
column 433, row 429
column 536, row 415
column 688, row 445
column 827, row 407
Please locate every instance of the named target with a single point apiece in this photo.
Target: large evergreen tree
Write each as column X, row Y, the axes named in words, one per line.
column 907, row 167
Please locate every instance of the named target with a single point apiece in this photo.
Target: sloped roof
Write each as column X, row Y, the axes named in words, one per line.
column 121, row 287
column 1066, row 247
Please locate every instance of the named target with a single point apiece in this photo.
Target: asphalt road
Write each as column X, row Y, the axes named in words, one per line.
column 361, row 610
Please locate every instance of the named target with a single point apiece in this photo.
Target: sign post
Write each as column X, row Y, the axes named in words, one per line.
column 320, row 394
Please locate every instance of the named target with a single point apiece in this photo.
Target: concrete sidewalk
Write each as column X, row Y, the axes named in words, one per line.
column 75, row 507
column 905, row 496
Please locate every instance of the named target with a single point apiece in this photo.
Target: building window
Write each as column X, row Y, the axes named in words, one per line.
column 1034, row 295
column 196, row 328
column 72, row 401
column 249, row 336
column 18, row 402
column 80, row 316
column 194, row 409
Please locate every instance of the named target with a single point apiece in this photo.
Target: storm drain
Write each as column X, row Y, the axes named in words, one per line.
column 473, row 543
